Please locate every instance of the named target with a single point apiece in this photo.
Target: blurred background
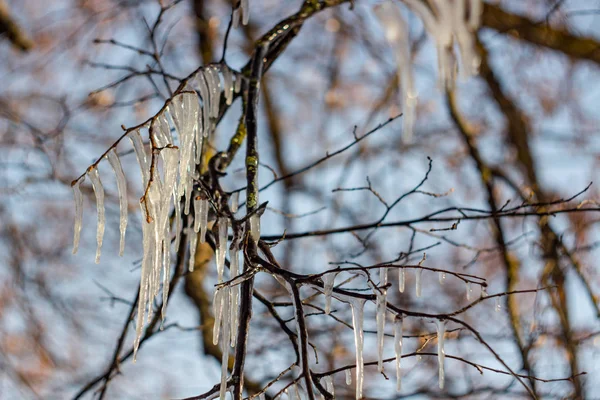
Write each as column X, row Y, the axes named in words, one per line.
column 521, row 136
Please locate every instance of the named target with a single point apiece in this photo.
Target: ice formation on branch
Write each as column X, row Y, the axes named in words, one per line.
column 75, row 185
column 397, row 34
column 469, row 290
column 442, row 276
column 169, row 172
column 348, row 377
column 447, row 21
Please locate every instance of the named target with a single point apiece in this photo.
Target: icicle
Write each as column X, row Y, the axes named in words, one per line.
column 212, row 91
column 328, row 283
column 381, row 309
column 401, row 279
column 398, row 350
column 204, row 206
column 235, row 199
column 145, row 276
column 225, row 341
column 227, row 85
column 187, row 116
column 197, row 213
column 78, row 212
column 255, row 227
column 294, row 393
column 171, row 162
column 418, row 285
column 442, row 276
column 475, row 10
column 140, row 154
column 238, row 84
column 221, row 246
column 113, row 159
column 235, row 18
column 218, row 313
column 349, row 377
column 193, row 239
column 245, row 11
column 483, row 291
column 357, row 324
column 397, row 34
column 234, row 271
column 199, row 135
column 469, row 290
column 155, row 195
column 498, row 306
column 441, row 331
column 217, row 103
column 329, row 385
column 177, row 205
column 99, row 192
column 261, row 396
column 189, row 187
column 206, row 99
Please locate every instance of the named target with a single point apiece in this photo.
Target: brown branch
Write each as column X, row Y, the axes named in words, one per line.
column 12, row 30
column 541, row 34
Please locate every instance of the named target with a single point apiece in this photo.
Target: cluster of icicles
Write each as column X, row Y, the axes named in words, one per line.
column 168, row 173
column 446, row 21
column 357, row 306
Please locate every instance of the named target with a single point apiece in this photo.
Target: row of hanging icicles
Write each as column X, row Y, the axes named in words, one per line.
column 192, row 114
column 357, row 306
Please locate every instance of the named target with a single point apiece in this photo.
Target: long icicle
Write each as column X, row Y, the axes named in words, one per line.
column 225, row 339
column 397, row 35
column 381, row 309
column 398, row 350
column 222, row 224
column 204, row 208
column 234, row 271
column 115, row 163
column 99, row 192
column 193, row 241
column 75, row 185
column 140, row 154
column 357, row 323
column 147, row 237
column 218, row 300
column 441, row 331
